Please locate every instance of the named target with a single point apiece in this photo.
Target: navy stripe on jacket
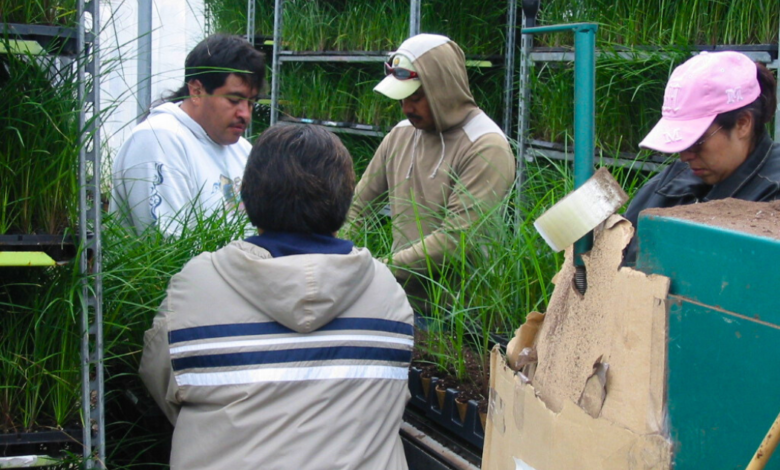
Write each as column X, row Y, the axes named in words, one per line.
column 273, row 328
column 292, row 355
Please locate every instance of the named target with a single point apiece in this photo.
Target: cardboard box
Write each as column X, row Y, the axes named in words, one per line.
column 606, row 351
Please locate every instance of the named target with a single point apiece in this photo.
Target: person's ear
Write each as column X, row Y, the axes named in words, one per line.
column 196, row 90
column 744, row 126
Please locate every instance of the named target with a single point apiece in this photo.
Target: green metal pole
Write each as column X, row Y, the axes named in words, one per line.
column 584, row 117
column 584, row 120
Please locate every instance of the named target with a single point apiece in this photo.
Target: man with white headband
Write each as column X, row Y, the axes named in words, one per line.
column 439, row 169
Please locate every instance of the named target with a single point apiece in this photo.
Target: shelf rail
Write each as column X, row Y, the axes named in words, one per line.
column 90, row 252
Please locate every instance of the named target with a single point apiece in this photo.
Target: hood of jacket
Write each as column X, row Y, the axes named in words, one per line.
column 175, row 111
column 441, row 64
column 302, row 292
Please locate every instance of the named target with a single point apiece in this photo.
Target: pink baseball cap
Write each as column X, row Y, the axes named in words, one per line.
column 702, row 87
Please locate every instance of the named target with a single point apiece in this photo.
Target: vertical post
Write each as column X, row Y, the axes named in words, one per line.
column 530, row 8
column 250, row 37
column 584, row 117
column 90, row 250
column 144, row 83
column 509, row 63
column 414, row 18
column 275, row 66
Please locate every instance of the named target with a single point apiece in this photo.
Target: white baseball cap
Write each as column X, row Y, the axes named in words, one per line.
column 401, row 80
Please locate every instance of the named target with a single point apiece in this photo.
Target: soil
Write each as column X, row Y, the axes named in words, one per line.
column 474, row 387
column 757, row 218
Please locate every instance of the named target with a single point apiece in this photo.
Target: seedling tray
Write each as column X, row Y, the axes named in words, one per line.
column 469, row 428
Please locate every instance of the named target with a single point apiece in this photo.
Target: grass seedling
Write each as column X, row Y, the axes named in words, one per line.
column 41, row 12
column 229, row 16
column 38, row 144
column 666, row 23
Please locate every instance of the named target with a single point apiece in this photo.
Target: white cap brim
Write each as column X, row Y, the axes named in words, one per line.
column 397, row 89
column 674, row 136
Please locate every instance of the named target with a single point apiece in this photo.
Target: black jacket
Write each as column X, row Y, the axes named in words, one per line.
column 757, row 179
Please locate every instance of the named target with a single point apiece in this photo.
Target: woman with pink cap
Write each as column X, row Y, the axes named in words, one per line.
column 714, row 115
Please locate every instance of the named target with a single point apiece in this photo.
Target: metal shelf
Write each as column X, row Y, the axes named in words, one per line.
column 36, row 250
column 280, row 56
column 371, row 57
column 333, row 56
column 556, row 151
column 82, row 42
column 766, row 53
column 58, row 40
column 35, row 449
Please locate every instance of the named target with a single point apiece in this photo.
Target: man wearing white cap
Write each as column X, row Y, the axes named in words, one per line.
column 439, row 169
column 715, row 109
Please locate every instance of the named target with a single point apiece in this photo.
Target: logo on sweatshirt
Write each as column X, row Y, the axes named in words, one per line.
column 154, row 195
column 231, row 191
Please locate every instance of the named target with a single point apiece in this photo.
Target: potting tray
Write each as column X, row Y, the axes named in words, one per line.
column 442, row 409
column 54, row 39
column 50, row 443
column 61, row 248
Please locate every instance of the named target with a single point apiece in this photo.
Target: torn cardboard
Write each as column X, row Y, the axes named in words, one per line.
column 523, row 433
column 616, row 333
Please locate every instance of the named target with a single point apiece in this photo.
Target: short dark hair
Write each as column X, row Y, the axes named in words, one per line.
column 762, row 108
column 298, row 179
column 218, row 56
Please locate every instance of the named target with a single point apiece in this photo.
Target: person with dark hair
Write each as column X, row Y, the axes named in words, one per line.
column 716, row 107
column 289, row 349
column 189, row 154
column 441, row 169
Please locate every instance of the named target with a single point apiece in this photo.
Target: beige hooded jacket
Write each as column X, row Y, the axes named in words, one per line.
column 436, row 183
column 296, row 362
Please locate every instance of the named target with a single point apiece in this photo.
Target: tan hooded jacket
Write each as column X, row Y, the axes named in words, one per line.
column 437, row 182
column 296, row 362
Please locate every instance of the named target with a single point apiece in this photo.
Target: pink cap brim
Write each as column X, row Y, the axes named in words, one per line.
column 673, row 136
column 397, row 89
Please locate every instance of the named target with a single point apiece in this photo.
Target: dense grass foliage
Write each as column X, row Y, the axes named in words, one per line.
column 38, row 144
column 628, row 102
column 42, row 12
column 39, row 348
column 478, row 27
column 666, row 22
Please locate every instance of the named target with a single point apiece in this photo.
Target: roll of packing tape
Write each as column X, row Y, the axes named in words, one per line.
column 581, row 211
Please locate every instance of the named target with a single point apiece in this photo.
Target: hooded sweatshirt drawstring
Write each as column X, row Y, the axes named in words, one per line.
column 414, row 152
column 441, row 158
column 415, row 145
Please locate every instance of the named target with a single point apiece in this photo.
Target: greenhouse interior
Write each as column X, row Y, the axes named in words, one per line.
column 576, row 89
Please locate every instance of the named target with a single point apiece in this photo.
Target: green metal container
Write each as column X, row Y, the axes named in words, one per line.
column 723, row 387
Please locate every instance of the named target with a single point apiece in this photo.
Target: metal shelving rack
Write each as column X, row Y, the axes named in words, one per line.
column 90, row 261
column 280, row 56
column 529, row 149
column 81, row 42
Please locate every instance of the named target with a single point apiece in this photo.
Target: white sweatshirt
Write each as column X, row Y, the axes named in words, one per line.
column 168, row 165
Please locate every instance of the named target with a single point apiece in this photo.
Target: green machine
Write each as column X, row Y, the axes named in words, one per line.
column 723, row 387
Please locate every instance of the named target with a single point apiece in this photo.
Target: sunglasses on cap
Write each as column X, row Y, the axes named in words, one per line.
column 400, row 73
